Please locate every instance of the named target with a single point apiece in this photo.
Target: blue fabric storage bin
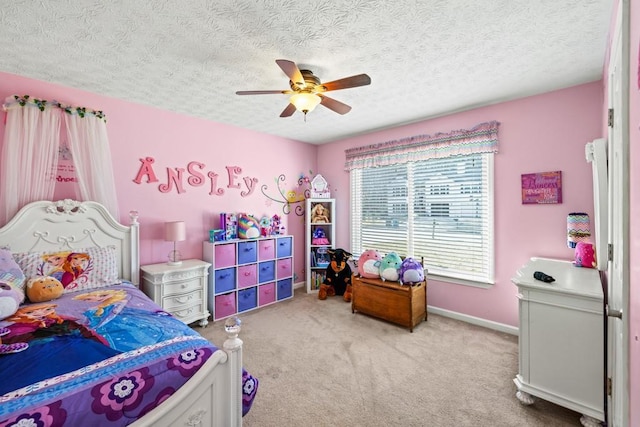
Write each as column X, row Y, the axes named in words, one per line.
column 266, row 271
column 283, row 247
column 285, row 288
column 247, row 252
column 225, row 279
column 247, row 299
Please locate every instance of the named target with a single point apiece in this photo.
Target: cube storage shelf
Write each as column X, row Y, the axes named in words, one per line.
column 248, row 274
column 317, row 253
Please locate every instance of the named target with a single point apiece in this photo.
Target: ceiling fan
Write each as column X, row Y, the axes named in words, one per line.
column 307, row 91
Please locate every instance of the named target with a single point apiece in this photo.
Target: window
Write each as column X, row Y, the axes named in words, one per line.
column 438, row 209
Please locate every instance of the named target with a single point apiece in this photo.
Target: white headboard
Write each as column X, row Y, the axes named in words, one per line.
column 69, row 224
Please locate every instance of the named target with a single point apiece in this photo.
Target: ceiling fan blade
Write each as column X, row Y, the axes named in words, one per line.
column 291, row 70
column 347, row 82
column 288, row 111
column 332, row 104
column 261, row 92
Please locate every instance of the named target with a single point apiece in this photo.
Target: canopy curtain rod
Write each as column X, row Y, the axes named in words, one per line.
column 15, row 101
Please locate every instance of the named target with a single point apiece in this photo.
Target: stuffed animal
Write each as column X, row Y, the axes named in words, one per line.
column 338, row 276
column 248, row 227
column 319, row 214
column 319, row 237
column 10, row 299
column 369, row 264
column 585, row 255
column 411, row 272
column 44, row 288
column 389, row 267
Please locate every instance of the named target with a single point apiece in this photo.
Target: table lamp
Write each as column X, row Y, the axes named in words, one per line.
column 175, row 231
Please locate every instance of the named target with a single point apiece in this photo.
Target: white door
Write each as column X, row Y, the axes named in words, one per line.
column 618, row 271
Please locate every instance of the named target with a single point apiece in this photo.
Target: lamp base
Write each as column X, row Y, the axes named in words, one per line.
column 175, row 258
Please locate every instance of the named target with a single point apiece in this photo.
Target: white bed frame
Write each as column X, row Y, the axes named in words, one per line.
column 212, row 397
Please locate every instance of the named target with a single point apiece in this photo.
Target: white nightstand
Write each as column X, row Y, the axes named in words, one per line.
column 179, row 289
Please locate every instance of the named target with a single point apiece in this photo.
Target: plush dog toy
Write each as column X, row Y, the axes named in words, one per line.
column 338, row 279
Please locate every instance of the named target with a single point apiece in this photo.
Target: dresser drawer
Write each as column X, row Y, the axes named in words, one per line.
column 247, row 252
column 225, row 279
column 283, row 267
column 182, row 286
column 225, row 255
column 175, row 302
column 283, row 248
column 266, row 271
column 266, row 293
column 247, row 275
column 266, row 249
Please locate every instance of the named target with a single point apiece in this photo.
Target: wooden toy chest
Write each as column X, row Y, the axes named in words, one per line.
column 405, row 305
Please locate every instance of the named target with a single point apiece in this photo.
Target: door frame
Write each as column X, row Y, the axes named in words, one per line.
column 618, row 343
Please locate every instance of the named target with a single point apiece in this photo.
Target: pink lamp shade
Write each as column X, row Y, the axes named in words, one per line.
column 175, row 231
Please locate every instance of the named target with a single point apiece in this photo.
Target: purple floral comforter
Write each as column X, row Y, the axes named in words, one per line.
column 101, row 357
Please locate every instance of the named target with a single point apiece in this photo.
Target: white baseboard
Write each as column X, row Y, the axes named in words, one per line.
column 299, row 285
column 501, row 327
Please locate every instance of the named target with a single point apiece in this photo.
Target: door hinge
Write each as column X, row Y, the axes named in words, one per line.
column 609, row 386
column 610, row 251
column 610, row 118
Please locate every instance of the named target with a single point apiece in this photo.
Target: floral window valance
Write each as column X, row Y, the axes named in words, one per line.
column 482, row 138
column 26, row 100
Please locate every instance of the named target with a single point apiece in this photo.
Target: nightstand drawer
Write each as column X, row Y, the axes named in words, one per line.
column 176, row 302
column 181, row 287
column 189, row 313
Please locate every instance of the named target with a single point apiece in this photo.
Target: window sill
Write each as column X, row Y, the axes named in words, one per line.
column 462, row 282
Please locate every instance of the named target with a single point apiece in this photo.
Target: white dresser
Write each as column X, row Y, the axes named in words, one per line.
column 561, row 337
column 179, row 289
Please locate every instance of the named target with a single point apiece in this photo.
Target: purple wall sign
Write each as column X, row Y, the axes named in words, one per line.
column 542, row 188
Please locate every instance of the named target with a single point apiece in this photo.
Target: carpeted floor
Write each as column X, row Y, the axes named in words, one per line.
column 321, row 365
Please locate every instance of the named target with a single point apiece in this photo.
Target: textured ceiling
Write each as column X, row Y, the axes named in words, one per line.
column 425, row 58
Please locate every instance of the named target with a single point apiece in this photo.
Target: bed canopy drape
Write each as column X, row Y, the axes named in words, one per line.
column 32, row 141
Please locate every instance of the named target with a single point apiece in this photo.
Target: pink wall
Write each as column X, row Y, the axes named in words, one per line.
column 537, row 134
column 173, row 140
column 634, row 215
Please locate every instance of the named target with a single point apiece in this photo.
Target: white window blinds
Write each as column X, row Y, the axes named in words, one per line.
column 438, row 209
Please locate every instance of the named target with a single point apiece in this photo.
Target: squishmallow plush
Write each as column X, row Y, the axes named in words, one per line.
column 44, row 288
column 411, row 272
column 389, row 267
column 585, row 255
column 10, row 299
column 369, row 264
column 248, row 227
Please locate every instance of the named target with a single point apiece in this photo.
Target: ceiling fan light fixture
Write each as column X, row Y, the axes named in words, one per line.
column 305, row 102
